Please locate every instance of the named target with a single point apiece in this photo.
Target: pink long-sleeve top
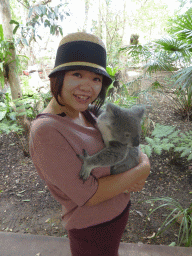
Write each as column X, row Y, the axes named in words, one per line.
column 54, row 142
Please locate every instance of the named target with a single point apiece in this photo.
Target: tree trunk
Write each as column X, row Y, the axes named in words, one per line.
column 86, row 15
column 5, row 17
column 13, row 78
column 100, row 21
column 104, row 30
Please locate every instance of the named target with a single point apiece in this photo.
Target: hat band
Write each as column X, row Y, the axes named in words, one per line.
column 80, row 63
column 81, row 51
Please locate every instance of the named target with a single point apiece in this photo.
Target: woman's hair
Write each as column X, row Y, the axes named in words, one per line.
column 56, row 84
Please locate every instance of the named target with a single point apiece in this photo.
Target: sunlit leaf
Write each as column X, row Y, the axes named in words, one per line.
column 15, row 29
column 1, row 33
column 61, row 31
column 14, row 22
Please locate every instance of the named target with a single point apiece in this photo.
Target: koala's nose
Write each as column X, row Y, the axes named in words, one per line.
column 136, row 141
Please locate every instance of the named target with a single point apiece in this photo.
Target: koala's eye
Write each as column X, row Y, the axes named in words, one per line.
column 127, row 135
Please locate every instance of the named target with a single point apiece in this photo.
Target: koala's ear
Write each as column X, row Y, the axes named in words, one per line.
column 139, row 111
column 110, row 108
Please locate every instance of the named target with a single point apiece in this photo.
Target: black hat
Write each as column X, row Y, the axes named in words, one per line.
column 79, row 51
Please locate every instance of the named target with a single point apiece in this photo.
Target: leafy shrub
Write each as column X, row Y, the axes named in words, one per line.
column 8, row 121
column 33, row 102
column 120, row 96
column 5, row 54
column 166, row 138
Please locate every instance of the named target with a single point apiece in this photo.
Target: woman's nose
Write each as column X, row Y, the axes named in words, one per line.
column 85, row 83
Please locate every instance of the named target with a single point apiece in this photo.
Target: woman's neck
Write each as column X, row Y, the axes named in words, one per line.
column 54, row 108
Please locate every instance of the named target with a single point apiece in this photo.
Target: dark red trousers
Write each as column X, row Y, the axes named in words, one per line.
column 99, row 240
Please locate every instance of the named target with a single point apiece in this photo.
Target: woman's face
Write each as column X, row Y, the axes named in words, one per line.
column 80, row 88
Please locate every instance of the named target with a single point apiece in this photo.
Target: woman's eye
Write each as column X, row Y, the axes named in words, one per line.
column 77, row 74
column 97, row 79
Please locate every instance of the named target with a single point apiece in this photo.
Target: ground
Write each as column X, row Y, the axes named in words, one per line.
column 26, row 205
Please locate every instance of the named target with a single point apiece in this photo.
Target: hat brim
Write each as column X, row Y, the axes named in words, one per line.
column 106, row 77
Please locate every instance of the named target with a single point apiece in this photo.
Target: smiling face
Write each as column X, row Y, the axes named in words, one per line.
column 80, row 88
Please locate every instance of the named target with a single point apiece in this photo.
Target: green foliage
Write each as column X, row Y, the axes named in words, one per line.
column 111, row 71
column 177, row 51
column 184, row 215
column 33, row 102
column 181, row 27
column 138, row 53
column 166, row 138
column 179, row 48
column 8, row 121
column 152, row 55
column 160, row 61
column 183, row 91
column 5, row 54
column 120, row 96
column 178, row 43
column 171, row 44
column 39, row 14
column 173, row 50
column 167, row 54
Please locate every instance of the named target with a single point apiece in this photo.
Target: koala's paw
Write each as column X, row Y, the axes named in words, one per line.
column 85, row 169
column 84, row 156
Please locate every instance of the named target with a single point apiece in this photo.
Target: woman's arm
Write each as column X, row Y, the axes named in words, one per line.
column 136, row 187
column 113, row 185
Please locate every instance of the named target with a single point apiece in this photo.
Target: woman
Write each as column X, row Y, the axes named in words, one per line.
column 95, row 212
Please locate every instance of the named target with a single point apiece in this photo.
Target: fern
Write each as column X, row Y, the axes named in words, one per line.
column 165, row 138
column 9, row 126
column 162, row 130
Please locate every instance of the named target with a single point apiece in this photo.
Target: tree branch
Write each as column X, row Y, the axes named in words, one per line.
column 46, row 2
column 43, row 2
column 23, row 4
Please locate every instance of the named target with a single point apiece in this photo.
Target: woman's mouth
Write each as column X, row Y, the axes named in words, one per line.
column 81, row 98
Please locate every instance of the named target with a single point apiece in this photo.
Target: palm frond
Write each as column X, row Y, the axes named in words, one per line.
column 170, row 44
column 160, row 61
column 177, row 49
column 181, row 26
column 142, row 52
column 184, row 78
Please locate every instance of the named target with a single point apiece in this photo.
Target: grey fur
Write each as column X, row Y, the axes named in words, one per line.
column 121, row 130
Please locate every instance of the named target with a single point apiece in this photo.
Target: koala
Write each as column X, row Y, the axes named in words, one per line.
column 121, row 130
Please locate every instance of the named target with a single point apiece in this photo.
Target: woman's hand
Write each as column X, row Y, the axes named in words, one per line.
column 136, row 187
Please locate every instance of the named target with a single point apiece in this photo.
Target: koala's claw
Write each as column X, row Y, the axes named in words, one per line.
column 85, row 154
column 84, row 174
column 85, row 171
column 83, row 157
